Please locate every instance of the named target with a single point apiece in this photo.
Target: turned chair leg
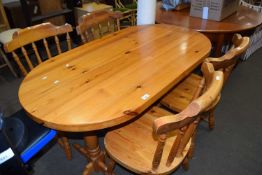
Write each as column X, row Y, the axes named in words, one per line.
column 64, row 143
column 88, row 169
column 192, row 146
column 185, row 163
column 110, row 167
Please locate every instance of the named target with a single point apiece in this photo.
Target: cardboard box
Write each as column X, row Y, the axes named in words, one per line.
column 213, row 9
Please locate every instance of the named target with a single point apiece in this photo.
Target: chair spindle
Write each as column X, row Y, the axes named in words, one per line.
column 36, row 53
column 58, row 45
column 47, row 49
column 159, row 151
column 27, row 58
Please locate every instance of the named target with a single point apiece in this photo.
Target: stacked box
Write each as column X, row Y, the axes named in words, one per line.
column 213, row 9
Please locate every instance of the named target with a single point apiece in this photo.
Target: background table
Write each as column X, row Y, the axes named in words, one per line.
column 110, row 81
column 243, row 21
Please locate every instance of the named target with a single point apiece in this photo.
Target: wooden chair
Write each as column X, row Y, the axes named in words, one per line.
column 188, row 89
column 28, row 36
column 159, row 141
column 98, row 24
column 128, row 11
column 227, row 62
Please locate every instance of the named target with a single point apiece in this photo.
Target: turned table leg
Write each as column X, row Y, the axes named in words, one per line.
column 219, row 44
column 93, row 153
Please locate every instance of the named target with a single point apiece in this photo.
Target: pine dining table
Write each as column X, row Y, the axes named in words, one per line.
column 110, row 81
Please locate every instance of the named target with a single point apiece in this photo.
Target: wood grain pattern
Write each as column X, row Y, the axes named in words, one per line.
column 98, row 24
column 139, row 137
column 159, row 144
column 227, row 62
column 110, row 80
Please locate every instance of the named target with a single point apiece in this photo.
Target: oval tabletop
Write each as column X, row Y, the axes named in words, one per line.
column 111, row 80
column 244, row 19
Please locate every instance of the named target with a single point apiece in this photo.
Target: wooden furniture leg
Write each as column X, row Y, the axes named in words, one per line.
column 93, row 153
column 64, row 143
column 219, row 44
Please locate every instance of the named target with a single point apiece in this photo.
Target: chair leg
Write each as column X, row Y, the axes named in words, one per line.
column 88, row 169
column 192, row 146
column 211, row 119
column 185, row 163
column 110, row 167
column 8, row 63
column 64, row 143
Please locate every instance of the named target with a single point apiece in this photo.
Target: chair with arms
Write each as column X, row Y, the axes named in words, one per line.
column 97, row 24
column 228, row 61
column 160, row 141
column 187, row 90
column 27, row 57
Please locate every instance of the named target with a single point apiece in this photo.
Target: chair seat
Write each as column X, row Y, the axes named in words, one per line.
column 136, row 153
column 26, row 136
column 182, row 94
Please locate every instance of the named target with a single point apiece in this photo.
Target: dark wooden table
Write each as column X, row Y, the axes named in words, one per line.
column 243, row 21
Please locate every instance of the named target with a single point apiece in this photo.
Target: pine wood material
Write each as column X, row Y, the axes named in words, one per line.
column 109, row 81
column 30, row 35
column 160, row 144
column 188, row 90
column 227, row 62
column 245, row 19
column 115, row 72
column 98, row 24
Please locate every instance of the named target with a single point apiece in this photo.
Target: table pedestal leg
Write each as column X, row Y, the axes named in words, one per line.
column 219, row 44
column 93, row 153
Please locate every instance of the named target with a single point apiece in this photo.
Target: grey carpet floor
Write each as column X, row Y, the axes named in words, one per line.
column 232, row 148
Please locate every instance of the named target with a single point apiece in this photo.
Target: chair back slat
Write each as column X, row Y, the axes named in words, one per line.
column 35, row 33
column 97, row 24
column 20, row 65
column 31, row 36
column 27, row 58
column 36, row 53
column 58, row 45
column 68, row 40
column 47, row 49
column 186, row 136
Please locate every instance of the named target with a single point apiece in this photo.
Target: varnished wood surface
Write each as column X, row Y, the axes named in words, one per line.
column 244, row 19
column 102, row 83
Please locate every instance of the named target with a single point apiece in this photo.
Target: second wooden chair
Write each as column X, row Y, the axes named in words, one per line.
column 188, row 89
column 97, row 24
column 24, row 45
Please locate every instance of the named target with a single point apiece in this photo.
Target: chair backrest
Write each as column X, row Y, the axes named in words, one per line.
column 29, row 36
column 98, row 24
column 120, row 4
column 228, row 61
column 186, row 121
